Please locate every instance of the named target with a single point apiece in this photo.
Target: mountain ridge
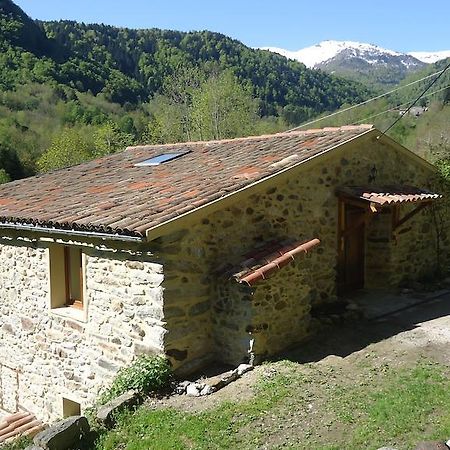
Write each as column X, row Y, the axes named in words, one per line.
column 361, row 61
column 316, row 54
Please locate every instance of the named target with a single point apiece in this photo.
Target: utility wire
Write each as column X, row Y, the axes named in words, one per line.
column 398, row 106
column 417, row 99
column 364, row 102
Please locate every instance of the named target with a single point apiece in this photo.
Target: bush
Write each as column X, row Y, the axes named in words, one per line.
column 146, row 374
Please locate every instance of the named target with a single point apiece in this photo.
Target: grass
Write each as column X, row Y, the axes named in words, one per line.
column 408, row 407
column 17, row 444
column 305, row 407
column 216, row 429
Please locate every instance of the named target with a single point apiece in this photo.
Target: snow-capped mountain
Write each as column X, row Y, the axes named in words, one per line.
column 366, row 62
column 431, row 57
column 326, row 50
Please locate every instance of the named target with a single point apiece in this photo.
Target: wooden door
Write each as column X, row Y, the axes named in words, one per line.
column 352, row 248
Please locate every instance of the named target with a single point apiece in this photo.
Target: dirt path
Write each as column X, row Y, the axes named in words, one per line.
column 397, row 340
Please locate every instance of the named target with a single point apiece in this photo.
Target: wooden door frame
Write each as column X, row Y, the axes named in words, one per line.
column 366, row 217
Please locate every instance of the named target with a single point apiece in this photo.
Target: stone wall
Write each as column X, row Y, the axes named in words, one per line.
column 378, row 250
column 208, row 319
column 47, row 355
column 414, row 256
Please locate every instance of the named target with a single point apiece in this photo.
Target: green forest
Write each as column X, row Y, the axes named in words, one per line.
column 70, row 91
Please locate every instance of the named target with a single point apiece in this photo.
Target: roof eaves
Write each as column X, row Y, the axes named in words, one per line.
column 86, row 232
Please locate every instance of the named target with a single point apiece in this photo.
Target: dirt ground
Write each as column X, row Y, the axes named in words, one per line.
column 349, row 354
column 421, row 330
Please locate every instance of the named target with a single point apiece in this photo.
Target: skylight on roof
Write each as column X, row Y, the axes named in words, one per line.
column 164, row 157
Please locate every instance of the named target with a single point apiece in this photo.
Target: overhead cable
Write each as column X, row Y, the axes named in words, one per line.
column 417, row 99
column 366, row 101
column 398, row 106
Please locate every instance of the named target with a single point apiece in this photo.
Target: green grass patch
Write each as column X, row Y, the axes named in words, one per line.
column 407, row 407
column 389, row 407
column 146, row 374
column 213, row 429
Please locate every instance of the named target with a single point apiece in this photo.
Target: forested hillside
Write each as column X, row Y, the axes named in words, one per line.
column 426, row 128
column 70, row 91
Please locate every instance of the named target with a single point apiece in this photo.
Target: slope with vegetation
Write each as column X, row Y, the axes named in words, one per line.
column 71, row 91
column 428, row 132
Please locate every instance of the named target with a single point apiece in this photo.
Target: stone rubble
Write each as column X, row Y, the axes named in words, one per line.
column 210, row 385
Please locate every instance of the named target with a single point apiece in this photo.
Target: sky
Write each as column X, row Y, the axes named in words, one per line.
column 401, row 25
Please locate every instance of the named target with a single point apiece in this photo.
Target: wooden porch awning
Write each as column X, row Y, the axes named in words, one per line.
column 263, row 262
column 377, row 197
column 387, row 195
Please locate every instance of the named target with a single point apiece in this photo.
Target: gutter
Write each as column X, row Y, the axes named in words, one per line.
column 85, row 234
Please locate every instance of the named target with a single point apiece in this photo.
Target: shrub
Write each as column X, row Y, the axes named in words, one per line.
column 146, row 374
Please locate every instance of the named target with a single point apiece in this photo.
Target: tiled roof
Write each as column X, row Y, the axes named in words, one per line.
column 388, row 195
column 19, row 424
column 262, row 263
column 112, row 195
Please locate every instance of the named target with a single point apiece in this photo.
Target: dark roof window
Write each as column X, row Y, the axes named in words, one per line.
column 164, row 157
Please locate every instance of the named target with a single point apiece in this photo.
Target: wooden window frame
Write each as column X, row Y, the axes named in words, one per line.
column 59, row 299
column 70, row 301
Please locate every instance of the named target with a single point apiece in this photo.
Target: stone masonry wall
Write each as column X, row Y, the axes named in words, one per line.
column 207, row 321
column 414, row 255
column 46, row 356
column 378, row 250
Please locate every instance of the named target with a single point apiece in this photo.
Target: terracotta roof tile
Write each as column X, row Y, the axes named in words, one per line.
column 112, row 195
column 267, row 260
column 388, row 195
column 18, row 424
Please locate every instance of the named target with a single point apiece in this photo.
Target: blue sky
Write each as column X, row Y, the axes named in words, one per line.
column 403, row 25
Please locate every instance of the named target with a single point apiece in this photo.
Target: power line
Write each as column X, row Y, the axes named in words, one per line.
column 398, row 106
column 417, row 99
column 365, row 102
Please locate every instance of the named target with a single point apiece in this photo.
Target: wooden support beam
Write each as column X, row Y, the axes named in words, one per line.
column 399, row 222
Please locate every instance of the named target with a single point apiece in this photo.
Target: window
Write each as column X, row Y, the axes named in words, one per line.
column 71, row 408
column 157, row 160
column 73, row 266
column 67, row 280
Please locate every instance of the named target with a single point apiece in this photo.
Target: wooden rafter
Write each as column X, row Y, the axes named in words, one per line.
column 399, row 222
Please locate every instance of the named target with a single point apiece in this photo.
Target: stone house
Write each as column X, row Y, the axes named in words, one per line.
column 202, row 251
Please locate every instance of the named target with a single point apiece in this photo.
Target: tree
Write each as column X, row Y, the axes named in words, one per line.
column 109, row 139
column 179, row 88
column 10, row 163
column 223, row 108
column 4, row 177
column 166, row 123
column 68, row 148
